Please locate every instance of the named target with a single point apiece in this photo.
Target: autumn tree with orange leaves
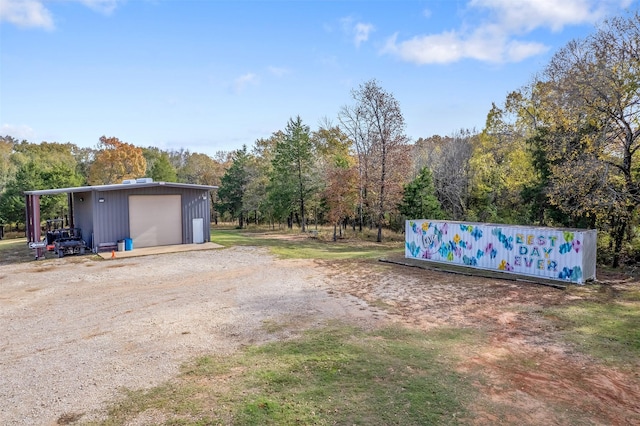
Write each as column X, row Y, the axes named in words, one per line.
column 116, row 161
column 341, row 193
column 339, row 173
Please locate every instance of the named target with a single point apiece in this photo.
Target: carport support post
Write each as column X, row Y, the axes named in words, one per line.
column 71, row 212
column 33, row 222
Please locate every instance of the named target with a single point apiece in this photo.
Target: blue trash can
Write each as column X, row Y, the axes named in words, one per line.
column 128, row 244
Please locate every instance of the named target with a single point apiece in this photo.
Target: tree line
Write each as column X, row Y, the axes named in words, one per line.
column 560, row 151
column 26, row 166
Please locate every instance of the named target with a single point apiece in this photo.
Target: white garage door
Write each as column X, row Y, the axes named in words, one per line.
column 155, row 220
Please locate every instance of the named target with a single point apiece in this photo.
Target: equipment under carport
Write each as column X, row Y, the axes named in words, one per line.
column 70, row 242
column 64, row 241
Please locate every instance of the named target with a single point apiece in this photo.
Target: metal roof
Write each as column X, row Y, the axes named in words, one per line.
column 116, row 187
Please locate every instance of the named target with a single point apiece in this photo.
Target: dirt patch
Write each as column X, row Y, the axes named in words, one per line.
column 529, row 375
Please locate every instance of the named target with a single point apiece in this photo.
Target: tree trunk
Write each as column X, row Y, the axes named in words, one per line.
column 335, row 238
column 620, row 232
column 618, row 238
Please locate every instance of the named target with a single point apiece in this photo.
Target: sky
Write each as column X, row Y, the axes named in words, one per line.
column 213, row 75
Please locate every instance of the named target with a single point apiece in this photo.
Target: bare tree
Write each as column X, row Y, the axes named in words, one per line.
column 448, row 159
column 376, row 125
column 353, row 124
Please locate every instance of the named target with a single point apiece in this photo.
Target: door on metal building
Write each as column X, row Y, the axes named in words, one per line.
column 198, row 230
column 155, row 220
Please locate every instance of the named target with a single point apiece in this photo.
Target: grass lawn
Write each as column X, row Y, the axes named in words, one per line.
column 335, row 375
column 606, row 327
column 15, row 251
column 301, row 246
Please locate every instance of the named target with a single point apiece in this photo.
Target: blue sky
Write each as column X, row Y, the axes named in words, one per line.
column 214, row 75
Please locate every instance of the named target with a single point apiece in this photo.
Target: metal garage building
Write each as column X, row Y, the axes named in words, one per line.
column 150, row 213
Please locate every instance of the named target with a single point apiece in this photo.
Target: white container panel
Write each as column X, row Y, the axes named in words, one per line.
column 551, row 253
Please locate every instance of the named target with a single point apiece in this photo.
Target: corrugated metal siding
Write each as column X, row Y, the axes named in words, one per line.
column 83, row 215
column 111, row 218
column 195, row 204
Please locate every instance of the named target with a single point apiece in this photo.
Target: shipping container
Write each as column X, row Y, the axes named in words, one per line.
column 550, row 253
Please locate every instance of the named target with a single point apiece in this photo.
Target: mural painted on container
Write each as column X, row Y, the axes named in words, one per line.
column 542, row 252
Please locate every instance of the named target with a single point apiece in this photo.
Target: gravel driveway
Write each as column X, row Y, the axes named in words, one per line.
column 73, row 331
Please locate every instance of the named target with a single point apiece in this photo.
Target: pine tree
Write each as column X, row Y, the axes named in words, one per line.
column 292, row 181
column 162, row 170
column 233, row 185
column 419, row 200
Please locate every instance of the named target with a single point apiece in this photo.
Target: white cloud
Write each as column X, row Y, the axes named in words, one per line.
column 452, row 46
column 103, row 6
column 26, row 14
column 527, row 15
column 248, row 79
column 18, row 132
column 437, row 48
column 34, row 14
column 494, row 39
column 359, row 30
column 516, row 51
column 362, row 32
